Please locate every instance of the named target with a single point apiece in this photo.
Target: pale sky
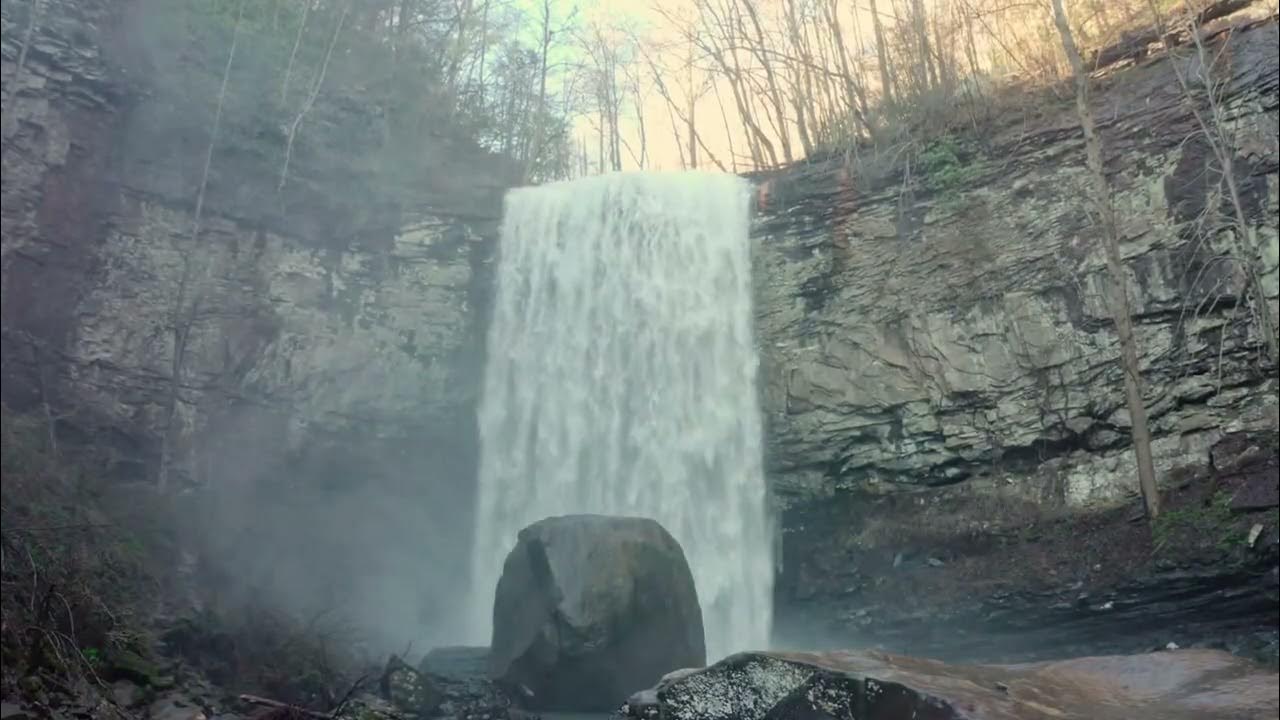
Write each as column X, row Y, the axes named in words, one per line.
column 1009, row 40
column 641, row 15
column 649, row 19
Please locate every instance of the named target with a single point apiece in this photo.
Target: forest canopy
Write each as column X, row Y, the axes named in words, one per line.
column 571, row 87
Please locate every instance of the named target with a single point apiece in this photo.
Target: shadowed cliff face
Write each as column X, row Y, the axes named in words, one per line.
column 952, row 328
column 324, row 335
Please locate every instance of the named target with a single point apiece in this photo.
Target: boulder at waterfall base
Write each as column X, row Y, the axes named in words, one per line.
column 590, row 609
column 1178, row 685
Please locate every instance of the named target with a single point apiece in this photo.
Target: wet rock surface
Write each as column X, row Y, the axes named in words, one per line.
column 590, row 609
column 1176, row 685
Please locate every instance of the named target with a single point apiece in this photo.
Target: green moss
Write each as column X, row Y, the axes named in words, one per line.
column 129, row 665
column 947, row 166
column 1208, row 523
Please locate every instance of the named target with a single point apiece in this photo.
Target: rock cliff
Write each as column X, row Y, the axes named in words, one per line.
column 951, row 326
column 947, row 432
column 320, row 327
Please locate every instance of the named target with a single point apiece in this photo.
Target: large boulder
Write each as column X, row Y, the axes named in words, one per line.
column 1179, row 685
column 591, row 609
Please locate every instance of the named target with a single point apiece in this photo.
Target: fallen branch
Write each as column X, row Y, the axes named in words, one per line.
column 347, row 698
column 268, row 702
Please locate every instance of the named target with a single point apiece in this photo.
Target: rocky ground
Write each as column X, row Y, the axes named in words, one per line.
column 946, row 574
column 1179, row 685
column 155, row 688
column 103, row 616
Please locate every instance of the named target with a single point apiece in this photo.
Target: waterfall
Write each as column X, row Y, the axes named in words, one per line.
column 621, row 380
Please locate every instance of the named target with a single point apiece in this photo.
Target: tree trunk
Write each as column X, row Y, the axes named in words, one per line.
column 1120, row 309
column 310, row 101
column 762, row 149
column 293, row 55
column 855, row 99
column 183, row 317
column 774, row 93
column 536, row 141
column 802, row 95
column 724, row 118
column 882, row 56
column 920, row 21
column 693, row 104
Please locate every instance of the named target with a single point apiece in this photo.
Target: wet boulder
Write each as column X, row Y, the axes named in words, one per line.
column 1178, row 685
column 408, row 688
column 591, row 609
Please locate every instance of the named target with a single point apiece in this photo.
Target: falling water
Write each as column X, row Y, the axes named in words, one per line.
column 622, row 380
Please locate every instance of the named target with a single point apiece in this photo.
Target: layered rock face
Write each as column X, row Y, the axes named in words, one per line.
column 318, row 327
column 590, row 609
column 953, row 327
column 946, row 424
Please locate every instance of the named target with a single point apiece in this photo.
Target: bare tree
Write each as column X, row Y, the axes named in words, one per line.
column 760, row 48
column 681, row 99
column 186, row 305
column 1214, row 129
column 882, row 54
column 297, row 43
column 720, row 39
column 1120, row 306
column 549, row 31
column 606, row 52
column 310, row 101
column 635, row 84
